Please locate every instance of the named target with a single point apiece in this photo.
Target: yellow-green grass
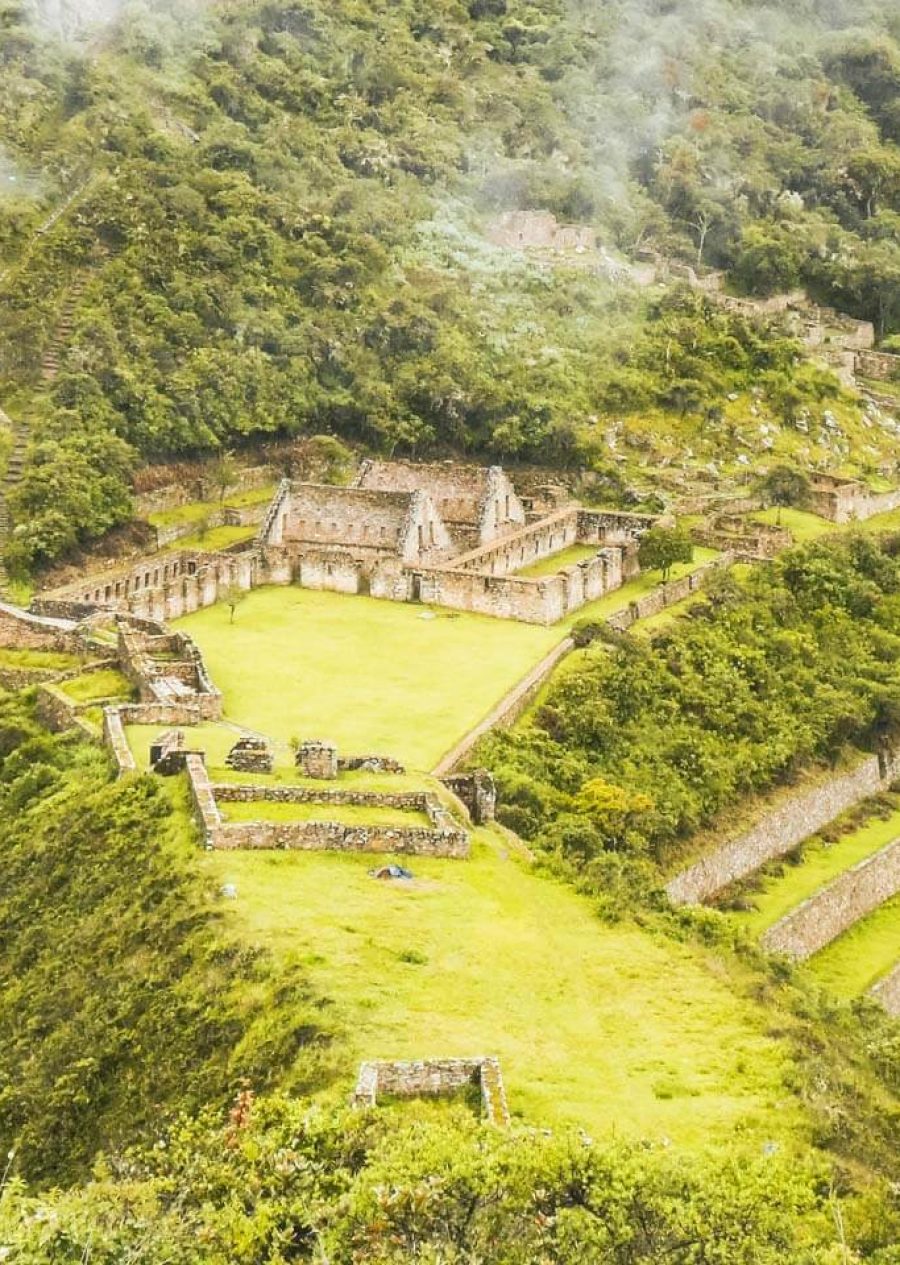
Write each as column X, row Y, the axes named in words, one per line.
column 375, row 677
column 346, row 814
column 802, row 525
column 821, row 864
column 566, row 558
column 889, row 521
column 215, row 538
column 51, row 660
column 610, row 1028
column 92, row 685
column 196, row 511
column 861, row 956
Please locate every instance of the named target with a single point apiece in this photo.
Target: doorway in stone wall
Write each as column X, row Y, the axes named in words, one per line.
column 415, row 588
column 364, row 582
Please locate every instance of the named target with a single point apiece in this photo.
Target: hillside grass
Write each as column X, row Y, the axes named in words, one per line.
column 212, row 540
column 612, row 1029
column 107, row 683
column 375, row 677
column 821, row 863
column 802, row 525
column 861, row 956
column 196, row 511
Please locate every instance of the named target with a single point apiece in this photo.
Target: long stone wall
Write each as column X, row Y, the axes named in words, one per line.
column 781, row 830
column 834, row 908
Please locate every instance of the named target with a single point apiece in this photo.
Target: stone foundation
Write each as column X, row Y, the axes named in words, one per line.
column 434, row 1078
column 444, row 838
column 828, row 913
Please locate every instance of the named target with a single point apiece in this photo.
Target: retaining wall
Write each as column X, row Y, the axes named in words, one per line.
column 887, row 992
column 882, row 366
column 781, row 830
column 828, row 913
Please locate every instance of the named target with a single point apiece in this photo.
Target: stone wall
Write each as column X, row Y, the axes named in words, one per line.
column 59, row 713
column 434, row 1078
column 882, row 366
column 158, row 587
column 667, row 594
column 782, row 829
column 887, row 992
column 202, row 487
column 478, row 792
column 839, row 905
column 115, row 740
column 227, row 516
column 844, row 500
column 27, row 630
column 444, row 838
column 166, row 666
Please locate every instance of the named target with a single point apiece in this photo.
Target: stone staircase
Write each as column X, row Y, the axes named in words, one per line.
column 13, row 475
column 52, row 358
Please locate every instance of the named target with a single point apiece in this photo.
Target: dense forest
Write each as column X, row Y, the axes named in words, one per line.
column 279, row 218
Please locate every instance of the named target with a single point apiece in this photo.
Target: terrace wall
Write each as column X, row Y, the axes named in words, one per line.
column 887, row 992
column 782, row 829
column 882, row 366
column 434, row 1078
column 828, row 913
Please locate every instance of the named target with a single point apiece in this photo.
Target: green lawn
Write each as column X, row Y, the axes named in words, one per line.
column 196, row 511
column 822, row 863
column 375, row 677
column 93, row 685
column 51, row 660
column 609, row 1028
column 566, row 558
column 213, row 539
column 856, row 960
column 347, row 814
column 802, row 525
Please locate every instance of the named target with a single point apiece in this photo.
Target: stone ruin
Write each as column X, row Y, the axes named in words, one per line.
column 478, row 792
column 319, row 759
column 250, row 755
column 434, row 1078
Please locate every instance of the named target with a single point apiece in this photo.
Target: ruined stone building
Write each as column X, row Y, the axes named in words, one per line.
column 540, row 230
column 450, row 535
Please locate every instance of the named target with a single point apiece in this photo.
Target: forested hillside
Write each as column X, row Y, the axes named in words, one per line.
column 280, row 214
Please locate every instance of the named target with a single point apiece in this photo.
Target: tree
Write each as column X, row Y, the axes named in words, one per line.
column 232, row 595
column 224, row 475
column 662, row 547
column 783, row 485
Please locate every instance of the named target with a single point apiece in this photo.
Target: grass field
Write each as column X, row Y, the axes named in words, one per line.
column 859, row 957
column 375, row 677
column 550, row 566
column 197, row 511
column 820, row 865
column 107, row 683
column 347, row 814
column 609, row 1028
column 802, row 525
column 212, row 539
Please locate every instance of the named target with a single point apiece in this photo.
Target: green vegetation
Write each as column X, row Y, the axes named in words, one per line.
column 120, row 1003
column 771, row 672
column 51, row 660
column 371, row 676
column 662, row 548
column 858, row 958
column 819, row 863
column 802, row 525
column 550, row 566
column 107, row 683
column 213, row 538
column 197, row 511
column 437, row 964
column 282, row 229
